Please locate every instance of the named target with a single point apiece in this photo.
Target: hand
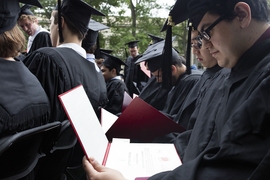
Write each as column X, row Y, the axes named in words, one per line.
column 96, row 171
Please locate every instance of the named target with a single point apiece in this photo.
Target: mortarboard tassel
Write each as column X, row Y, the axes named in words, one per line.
column 188, row 58
column 167, row 57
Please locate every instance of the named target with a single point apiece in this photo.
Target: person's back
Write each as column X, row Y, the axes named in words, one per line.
column 62, row 68
column 23, row 102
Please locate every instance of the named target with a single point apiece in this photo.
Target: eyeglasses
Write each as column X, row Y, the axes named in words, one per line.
column 198, row 43
column 205, row 34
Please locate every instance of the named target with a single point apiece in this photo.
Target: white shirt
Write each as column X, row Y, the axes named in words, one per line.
column 31, row 38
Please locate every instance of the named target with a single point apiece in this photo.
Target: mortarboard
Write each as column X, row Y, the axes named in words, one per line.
column 196, row 10
column 108, row 51
column 25, row 9
column 9, row 12
column 178, row 14
column 91, row 37
column 112, row 61
column 78, row 12
column 154, row 55
column 154, row 39
column 132, row 44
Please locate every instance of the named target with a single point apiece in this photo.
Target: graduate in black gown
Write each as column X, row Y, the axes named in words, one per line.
column 23, row 102
column 153, row 93
column 181, row 82
column 116, row 88
column 135, row 78
column 65, row 67
column 62, row 68
column 38, row 36
column 234, row 140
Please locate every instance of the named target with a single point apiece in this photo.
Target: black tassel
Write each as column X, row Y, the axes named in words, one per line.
column 188, row 57
column 61, row 39
column 167, row 60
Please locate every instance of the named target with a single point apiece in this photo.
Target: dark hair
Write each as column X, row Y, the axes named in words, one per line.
column 74, row 29
column 111, row 67
column 259, row 8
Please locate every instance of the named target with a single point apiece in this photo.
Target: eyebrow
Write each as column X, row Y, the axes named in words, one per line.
column 205, row 25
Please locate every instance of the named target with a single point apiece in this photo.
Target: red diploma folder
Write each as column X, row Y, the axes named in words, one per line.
column 140, row 121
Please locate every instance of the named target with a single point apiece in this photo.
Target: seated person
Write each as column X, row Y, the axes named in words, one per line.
column 23, row 103
column 181, row 82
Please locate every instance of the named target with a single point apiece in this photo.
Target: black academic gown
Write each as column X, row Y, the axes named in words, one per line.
column 178, row 94
column 239, row 127
column 42, row 39
column 196, row 93
column 23, row 102
column 154, row 94
column 61, row 69
column 135, row 78
column 115, row 90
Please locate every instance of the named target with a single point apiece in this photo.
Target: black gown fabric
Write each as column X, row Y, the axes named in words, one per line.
column 178, row 94
column 238, row 127
column 42, row 39
column 61, row 69
column 154, row 94
column 23, row 102
column 135, row 78
column 115, row 90
column 196, row 93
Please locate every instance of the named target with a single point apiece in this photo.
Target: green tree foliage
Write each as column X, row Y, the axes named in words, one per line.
column 128, row 20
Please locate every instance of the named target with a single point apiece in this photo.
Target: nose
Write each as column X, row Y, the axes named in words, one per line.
column 207, row 44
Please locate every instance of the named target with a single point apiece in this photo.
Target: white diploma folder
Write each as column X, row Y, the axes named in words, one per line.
column 131, row 159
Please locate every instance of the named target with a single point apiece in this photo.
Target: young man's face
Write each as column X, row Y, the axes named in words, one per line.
column 133, row 51
column 202, row 54
column 224, row 44
column 107, row 74
column 28, row 26
column 158, row 75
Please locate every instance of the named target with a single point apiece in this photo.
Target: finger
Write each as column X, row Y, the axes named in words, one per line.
column 89, row 169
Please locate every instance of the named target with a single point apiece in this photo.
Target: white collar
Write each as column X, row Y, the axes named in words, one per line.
column 75, row 47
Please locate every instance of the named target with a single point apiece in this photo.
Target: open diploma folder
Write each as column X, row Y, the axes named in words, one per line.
column 140, row 122
column 131, row 159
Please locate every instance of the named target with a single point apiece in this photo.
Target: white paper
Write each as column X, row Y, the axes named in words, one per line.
column 107, row 119
column 86, row 123
column 142, row 159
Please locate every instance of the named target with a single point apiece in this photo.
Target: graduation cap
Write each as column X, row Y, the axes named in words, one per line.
column 91, row 37
column 25, row 9
column 154, row 39
column 198, row 9
column 113, row 62
column 132, row 44
column 78, row 12
column 154, row 55
column 108, row 51
column 9, row 12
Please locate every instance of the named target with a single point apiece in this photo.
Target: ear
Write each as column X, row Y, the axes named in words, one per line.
column 243, row 12
column 174, row 69
column 62, row 22
column 113, row 71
